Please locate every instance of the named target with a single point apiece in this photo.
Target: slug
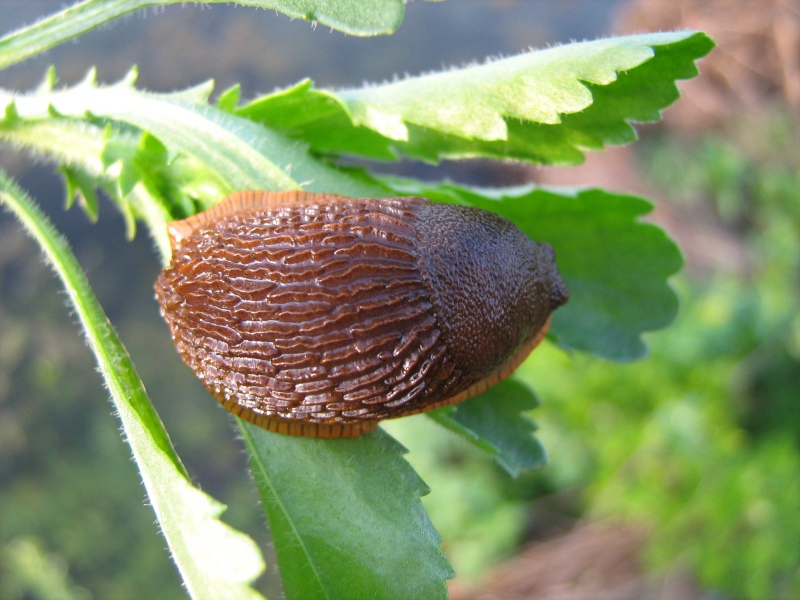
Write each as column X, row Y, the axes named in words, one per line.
column 320, row 315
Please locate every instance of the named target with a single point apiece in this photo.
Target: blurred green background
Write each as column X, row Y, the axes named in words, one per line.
column 674, row 477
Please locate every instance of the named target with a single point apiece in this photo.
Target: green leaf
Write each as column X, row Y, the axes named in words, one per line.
column 235, row 152
column 615, row 266
column 319, row 118
column 361, row 17
column 94, row 156
column 495, row 423
column 156, row 181
column 215, row 561
column 346, row 517
column 544, row 106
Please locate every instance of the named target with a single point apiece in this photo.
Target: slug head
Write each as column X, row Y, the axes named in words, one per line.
column 493, row 288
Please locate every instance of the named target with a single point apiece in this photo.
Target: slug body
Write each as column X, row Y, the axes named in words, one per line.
column 319, row 315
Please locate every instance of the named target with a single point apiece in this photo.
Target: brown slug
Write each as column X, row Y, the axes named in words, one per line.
column 320, row 315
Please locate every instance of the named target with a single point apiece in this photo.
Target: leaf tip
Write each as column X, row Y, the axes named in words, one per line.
column 90, row 79
column 11, row 113
column 229, row 99
column 130, row 78
column 49, row 81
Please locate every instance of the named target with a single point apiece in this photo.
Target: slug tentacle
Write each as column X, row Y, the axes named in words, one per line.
column 315, row 314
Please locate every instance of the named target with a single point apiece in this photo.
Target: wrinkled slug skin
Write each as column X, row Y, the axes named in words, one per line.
column 319, row 315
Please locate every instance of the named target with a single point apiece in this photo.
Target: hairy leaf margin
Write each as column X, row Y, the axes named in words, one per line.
column 214, row 560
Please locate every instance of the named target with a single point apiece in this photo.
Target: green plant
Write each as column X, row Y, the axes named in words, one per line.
column 701, row 444
column 164, row 156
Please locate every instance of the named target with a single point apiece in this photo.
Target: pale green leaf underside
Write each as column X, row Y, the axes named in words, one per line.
column 477, row 102
column 215, row 561
column 545, row 106
column 474, row 102
column 363, row 18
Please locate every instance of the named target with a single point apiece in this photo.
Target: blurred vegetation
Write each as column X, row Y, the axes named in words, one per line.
column 700, row 443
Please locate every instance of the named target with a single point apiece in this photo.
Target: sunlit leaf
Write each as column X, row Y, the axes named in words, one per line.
column 544, row 106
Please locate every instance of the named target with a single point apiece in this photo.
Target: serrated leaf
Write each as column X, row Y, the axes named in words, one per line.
column 215, row 561
column 94, row 155
column 241, row 154
column 362, row 18
column 346, row 517
column 476, row 104
column 495, row 423
column 616, row 267
column 545, row 106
